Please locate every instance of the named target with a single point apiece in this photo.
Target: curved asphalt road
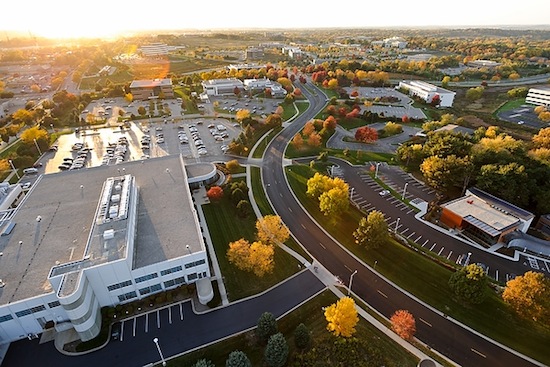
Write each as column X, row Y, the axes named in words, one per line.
column 459, row 344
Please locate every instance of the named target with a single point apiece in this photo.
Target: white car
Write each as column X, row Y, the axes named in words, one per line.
column 384, row 192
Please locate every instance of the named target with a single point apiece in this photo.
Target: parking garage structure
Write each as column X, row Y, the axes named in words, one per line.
column 99, row 237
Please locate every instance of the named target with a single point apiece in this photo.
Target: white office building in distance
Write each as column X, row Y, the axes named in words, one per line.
column 260, row 85
column 427, row 92
column 85, row 239
column 538, row 96
column 220, row 87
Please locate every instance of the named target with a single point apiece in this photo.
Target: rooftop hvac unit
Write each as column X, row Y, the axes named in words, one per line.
column 109, row 234
column 115, row 198
column 113, row 211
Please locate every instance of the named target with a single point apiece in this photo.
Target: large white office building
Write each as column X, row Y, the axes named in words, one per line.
column 82, row 240
column 538, row 96
column 427, row 92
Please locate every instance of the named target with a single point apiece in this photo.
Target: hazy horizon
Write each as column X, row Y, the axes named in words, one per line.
column 106, row 19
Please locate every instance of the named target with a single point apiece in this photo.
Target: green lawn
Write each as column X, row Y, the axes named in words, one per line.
column 311, row 315
column 225, row 227
column 428, row 281
column 260, row 149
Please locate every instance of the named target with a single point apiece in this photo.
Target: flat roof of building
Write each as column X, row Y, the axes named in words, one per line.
column 479, row 213
column 66, row 203
column 151, row 83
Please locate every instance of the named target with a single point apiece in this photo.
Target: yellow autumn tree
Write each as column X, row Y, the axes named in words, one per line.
column 242, row 115
column 255, row 257
column 334, row 201
column 342, row 317
column 33, row 133
column 271, row 230
column 529, row 295
column 403, row 323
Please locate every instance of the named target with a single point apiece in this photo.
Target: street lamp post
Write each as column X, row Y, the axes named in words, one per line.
column 37, row 147
column 404, row 191
column 376, row 172
column 13, row 168
column 468, row 259
column 156, row 341
column 351, row 281
column 397, row 224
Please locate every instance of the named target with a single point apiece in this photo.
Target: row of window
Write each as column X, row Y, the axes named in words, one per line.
column 126, row 283
column 171, row 270
column 173, row 282
column 127, row 296
column 146, row 277
column 28, row 311
column 195, row 263
column 151, row 289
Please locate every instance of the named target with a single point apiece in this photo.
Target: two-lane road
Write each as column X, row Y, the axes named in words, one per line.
column 461, row 345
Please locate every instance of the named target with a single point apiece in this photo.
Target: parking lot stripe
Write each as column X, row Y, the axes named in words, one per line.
column 170, row 315
column 406, row 229
column 424, row 244
column 431, row 249
column 181, row 311
column 158, row 319
column 440, row 251
column 416, row 241
column 147, row 322
column 410, row 211
column 450, row 253
column 122, row 330
column 134, row 327
column 412, row 234
column 546, row 265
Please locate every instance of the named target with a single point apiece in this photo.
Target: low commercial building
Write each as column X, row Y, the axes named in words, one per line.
column 260, row 85
column 483, row 64
column 427, row 92
column 220, row 87
column 538, row 96
column 98, row 237
column 152, row 89
column 484, row 217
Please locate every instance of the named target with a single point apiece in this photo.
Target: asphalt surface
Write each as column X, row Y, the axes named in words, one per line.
column 435, row 329
column 177, row 327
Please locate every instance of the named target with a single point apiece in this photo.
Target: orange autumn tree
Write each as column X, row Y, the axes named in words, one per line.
column 403, row 323
column 529, row 296
column 214, row 193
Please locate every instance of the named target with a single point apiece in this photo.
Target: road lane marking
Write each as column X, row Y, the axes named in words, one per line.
column 425, row 322
column 146, row 322
column 290, row 210
column 383, row 295
column 158, row 319
column 478, row 353
column 304, row 227
column 347, row 267
column 281, row 195
column 323, row 246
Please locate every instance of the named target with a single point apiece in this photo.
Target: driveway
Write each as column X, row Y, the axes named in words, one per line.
column 386, row 145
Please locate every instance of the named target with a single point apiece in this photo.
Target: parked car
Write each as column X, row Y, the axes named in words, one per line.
column 30, row 171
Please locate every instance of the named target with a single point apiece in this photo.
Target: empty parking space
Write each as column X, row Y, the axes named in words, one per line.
column 150, row 321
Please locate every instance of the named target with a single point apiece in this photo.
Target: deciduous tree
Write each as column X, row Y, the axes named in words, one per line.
column 242, row 114
column 529, row 296
column 403, row 323
column 314, row 139
column 34, row 133
column 297, row 142
column 215, row 193
column 271, row 230
column 366, row 134
column 372, row 230
column 334, row 201
column 469, row 283
column 342, row 317
column 204, row 363
column 542, row 138
column 255, row 257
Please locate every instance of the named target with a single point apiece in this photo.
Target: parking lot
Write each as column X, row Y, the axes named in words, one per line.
column 193, row 138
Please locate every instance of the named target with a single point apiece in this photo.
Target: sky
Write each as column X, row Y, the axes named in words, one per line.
column 102, row 18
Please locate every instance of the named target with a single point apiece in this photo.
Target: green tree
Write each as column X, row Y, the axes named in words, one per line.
column 142, row 111
column 302, row 338
column 372, row 230
column 276, row 351
column 509, row 181
column 266, row 326
column 204, row 363
column 243, row 208
column 237, row 359
column 469, row 283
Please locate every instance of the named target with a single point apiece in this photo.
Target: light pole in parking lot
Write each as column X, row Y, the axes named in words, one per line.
column 13, row 168
column 404, row 191
column 156, row 341
column 397, row 224
column 376, row 172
